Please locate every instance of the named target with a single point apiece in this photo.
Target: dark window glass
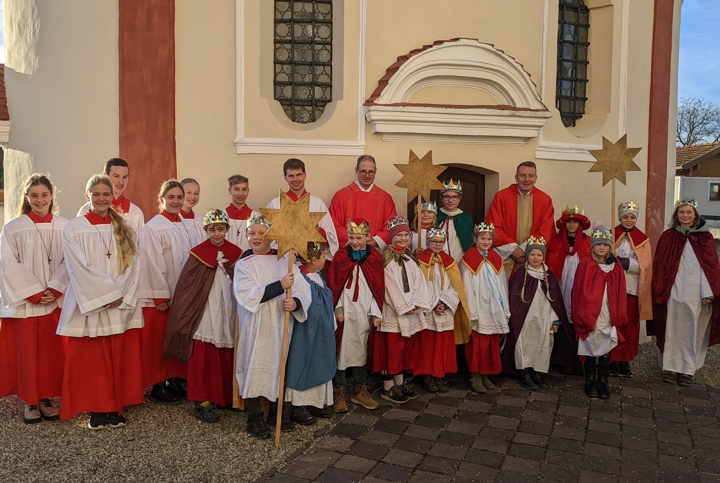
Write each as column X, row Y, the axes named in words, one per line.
column 303, row 58
column 572, row 53
column 714, row 192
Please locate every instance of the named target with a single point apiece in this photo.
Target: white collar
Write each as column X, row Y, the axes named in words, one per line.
column 524, row 194
column 363, row 189
column 452, row 213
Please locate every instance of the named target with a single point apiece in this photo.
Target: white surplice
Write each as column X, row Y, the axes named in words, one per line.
column 535, row 341
column 164, row 249
column 568, row 279
column 632, row 274
column 603, row 338
column 217, row 326
column 453, row 247
column 134, row 216
column 24, row 267
column 260, row 324
column 96, row 281
column 237, row 233
column 687, row 333
column 487, row 294
column 195, row 229
column 398, row 302
column 442, row 290
column 322, row 394
column 326, row 223
column 358, row 320
column 423, row 240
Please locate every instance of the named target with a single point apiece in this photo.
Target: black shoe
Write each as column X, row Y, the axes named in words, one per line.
column 591, row 387
column 286, row 424
column 537, row 379
column 98, row 421
column 325, row 413
column 685, row 380
column 625, row 370
column 407, row 392
column 178, row 387
column 603, row 388
column 615, row 369
column 116, row 421
column 205, row 413
column 429, row 384
column 394, row 395
column 257, row 426
column 668, row 376
column 526, row 380
column 162, row 394
column 442, row 385
column 300, row 415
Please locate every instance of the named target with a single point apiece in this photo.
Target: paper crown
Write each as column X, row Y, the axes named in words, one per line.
column 358, row 226
column 429, row 206
column 485, row 228
column 436, row 233
column 213, row 217
column 396, row 221
column 451, row 185
column 536, row 241
column 258, row 219
column 687, row 201
column 627, row 208
column 572, row 212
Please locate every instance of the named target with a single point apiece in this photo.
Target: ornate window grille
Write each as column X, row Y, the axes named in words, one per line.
column 572, row 55
column 303, row 58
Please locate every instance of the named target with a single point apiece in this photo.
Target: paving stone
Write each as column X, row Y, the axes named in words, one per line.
column 701, row 411
column 503, row 422
column 304, row 469
column 472, row 417
column 603, row 427
column 543, row 396
column 631, row 391
column 420, row 476
column 507, row 411
column 321, row 456
column 531, row 439
column 401, row 415
column 474, row 472
column 380, row 437
column 536, row 428
column 587, row 476
column 519, row 402
column 665, row 426
column 497, row 433
column 558, row 473
column 352, row 431
column 334, row 443
column 456, row 439
column 639, row 444
column 391, row 426
column 440, row 410
column 637, row 412
column 403, row 458
column 669, row 416
column 542, row 407
column 439, row 465
column 607, row 417
column 512, row 477
column 368, row 450
column 478, row 406
column 707, row 453
column 637, row 422
column 572, row 411
column 443, row 450
column 640, row 433
column 416, row 445
column 283, row 478
column 570, row 422
column 638, row 457
column 708, row 466
column 608, row 439
column 674, row 438
column 416, row 405
column 464, row 427
column 605, row 405
column 636, row 402
column 689, row 401
column 565, row 445
column 493, row 445
column 525, row 451
column 447, row 401
column 432, row 421
column 372, row 479
column 672, row 407
column 675, row 462
column 556, row 457
column 355, row 463
column 485, row 458
column 569, row 433
column 538, row 417
column 361, row 419
column 337, row 475
column 521, row 465
column 709, row 478
column 391, row 472
column 601, row 465
column 422, row 432
column 673, row 475
column 457, row 393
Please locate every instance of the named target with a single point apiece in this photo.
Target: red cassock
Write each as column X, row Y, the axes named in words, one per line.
column 375, row 206
column 157, row 368
column 503, row 214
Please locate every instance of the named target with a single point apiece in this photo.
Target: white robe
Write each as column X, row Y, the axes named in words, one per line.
column 134, row 216
column 423, row 240
column 326, row 223
column 358, row 320
column 487, row 294
column 260, row 325
column 24, row 267
column 603, row 338
column 195, row 230
column 687, row 333
column 96, row 281
column 442, row 290
column 632, row 275
column 535, row 341
column 398, row 303
column 237, row 234
column 320, row 395
column 453, row 247
column 217, row 326
column 568, row 279
column 164, row 249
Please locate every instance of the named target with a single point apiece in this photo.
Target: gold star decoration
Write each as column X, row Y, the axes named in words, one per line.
column 420, row 176
column 293, row 225
column 614, row 160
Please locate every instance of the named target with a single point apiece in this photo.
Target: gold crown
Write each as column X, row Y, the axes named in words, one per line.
column 396, row 221
column 429, row 206
column 485, row 228
column 213, row 217
column 536, row 241
column 436, row 233
column 573, row 211
column 314, row 250
column 687, row 201
column 355, row 228
column 451, row 185
column 627, row 206
column 258, row 219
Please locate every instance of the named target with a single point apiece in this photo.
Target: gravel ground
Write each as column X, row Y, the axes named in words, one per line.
column 646, row 364
column 158, row 444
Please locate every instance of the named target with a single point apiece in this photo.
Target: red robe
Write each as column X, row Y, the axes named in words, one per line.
column 665, row 267
column 503, row 214
column 376, row 206
column 559, row 249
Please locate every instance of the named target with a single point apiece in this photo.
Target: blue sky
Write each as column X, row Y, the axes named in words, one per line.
column 699, row 52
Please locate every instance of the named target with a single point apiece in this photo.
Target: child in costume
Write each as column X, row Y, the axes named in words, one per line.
column 238, row 211
column 358, row 285
column 436, row 345
column 201, row 325
column 259, row 285
column 457, row 224
column 428, row 219
column 486, row 289
column 599, row 310
column 194, row 224
column 407, row 298
column 311, row 357
column 685, row 287
column 33, row 278
column 537, row 313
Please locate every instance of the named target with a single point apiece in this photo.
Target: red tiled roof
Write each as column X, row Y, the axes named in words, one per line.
column 692, row 154
column 4, row 113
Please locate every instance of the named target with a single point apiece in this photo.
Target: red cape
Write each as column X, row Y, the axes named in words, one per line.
column 637, row 238
column 206, row 253
column 665, row 267
column 376, row 206
column 503, row 214
column 559, row 249
column 473, row 259
column 446, row 259
column 341, row 269
column 587, row 296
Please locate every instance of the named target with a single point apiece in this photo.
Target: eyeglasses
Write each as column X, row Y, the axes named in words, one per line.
column 437, row 242
column 446, row 197
column 366, row 173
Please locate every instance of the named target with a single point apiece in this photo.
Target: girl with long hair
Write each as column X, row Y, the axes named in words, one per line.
column 192, row 222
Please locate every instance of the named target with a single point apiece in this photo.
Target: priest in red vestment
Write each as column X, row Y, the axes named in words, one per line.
column 362, row 199
column 517, row 212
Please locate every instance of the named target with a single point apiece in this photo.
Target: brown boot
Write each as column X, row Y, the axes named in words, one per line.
column 476, row 384
column 339, row 405
column 363, row 398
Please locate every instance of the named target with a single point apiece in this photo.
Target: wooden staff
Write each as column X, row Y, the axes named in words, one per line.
column 286, row 329
column 419, row 222
column 612, row 207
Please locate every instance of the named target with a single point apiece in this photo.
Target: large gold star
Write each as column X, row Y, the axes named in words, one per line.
column 420, row 176
column 293, row 225
column 614, row 160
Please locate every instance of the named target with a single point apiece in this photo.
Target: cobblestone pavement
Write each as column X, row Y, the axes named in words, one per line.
column 647, row 431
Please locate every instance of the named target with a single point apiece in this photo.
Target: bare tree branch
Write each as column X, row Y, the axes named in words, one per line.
column 698, row 121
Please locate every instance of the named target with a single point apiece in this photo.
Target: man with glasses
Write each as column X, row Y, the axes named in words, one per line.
column 362, row 199
column 457, row 224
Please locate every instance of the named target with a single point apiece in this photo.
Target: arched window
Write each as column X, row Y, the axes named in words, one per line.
column 303, row 58
column 572, row 55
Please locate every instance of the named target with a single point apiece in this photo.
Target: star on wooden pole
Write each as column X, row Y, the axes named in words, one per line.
column 293, row 225
column 420, row 176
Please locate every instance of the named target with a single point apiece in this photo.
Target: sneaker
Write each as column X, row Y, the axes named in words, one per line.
column 685, row 380
column 441, row 384
column 409, row 393
column 339, row 404
column 429, row 384
column 395, row 395
column 300, row 415
column 668, row 376
column 257, row 426
column 162, row 394
column 31, row 415
column 116, row 421
column 486, row 383
column 98, row 421
column 205, row 413
column 325, row 413
column 476, row 384
column 363, row 398
column 48, row 411
column 625, row 369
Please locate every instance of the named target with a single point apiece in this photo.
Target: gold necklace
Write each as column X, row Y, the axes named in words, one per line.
column 103, row 240
column 52, row 236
